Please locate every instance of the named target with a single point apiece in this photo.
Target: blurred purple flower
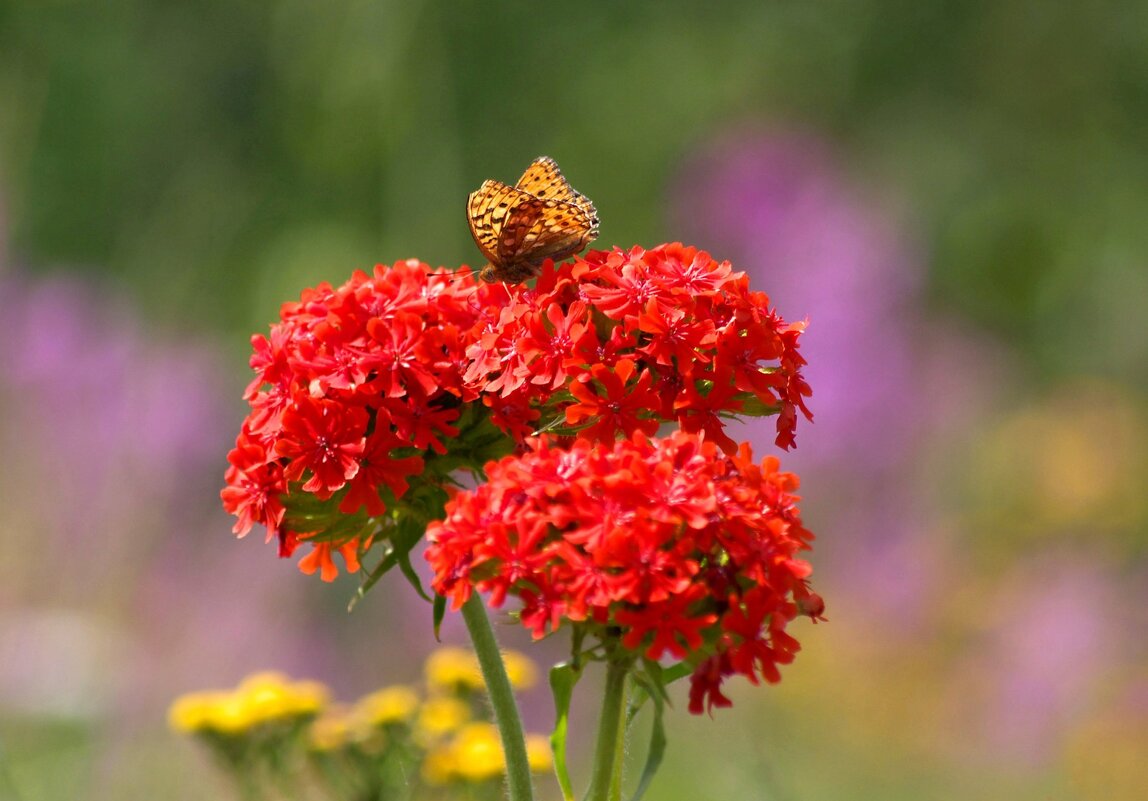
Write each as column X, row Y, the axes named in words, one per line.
column 101, row 425
column 777, row 206
column 118, row 568
column 1037, row 672
column 890, row 386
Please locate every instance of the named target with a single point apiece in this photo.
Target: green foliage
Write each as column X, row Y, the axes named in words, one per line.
column 220, row 160
column 563, row 678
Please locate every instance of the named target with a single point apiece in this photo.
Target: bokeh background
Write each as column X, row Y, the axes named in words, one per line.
column 953, row 193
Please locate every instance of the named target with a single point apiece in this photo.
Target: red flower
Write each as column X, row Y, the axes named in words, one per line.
column 667, row 322
column 661, row 546
column 622, row 407
column 365, row 390
column 320, row 559
column 701, row 411
column 706, row 682
column 419, row 424
column 254, row 486
column 379, row 468
column 550, row 341
column 324, row 439
column 356, row 388
column 669, row 627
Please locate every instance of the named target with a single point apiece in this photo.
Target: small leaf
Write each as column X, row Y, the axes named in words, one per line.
column 657, row 750
column 563, row 677
column 381, row 569
column 439, row 614
column 675, row 672
column 409, row 571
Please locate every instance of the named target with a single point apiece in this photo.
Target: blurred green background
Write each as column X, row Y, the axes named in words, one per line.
column 954, row 194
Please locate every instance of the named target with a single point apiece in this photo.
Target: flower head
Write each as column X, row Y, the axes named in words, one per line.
column 260, row 700
column 356, row 388
column 618, row 342
column 367, row 396
column 668, row 548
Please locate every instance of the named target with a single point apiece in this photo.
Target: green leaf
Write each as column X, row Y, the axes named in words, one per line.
column 752, row 406
column 439, row 613
column 654, row 677
column 409, row 571
column 651, row 683
column 563, row 677
column 403, row 536
column 675, row 672
column 389, row 561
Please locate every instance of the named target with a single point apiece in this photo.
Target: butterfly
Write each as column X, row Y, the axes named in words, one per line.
column 519, row 227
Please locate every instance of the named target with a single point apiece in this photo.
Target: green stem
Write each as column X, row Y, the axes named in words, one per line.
column 249, row 789
column 501, row 699
column 620, row 748
column 605, row 781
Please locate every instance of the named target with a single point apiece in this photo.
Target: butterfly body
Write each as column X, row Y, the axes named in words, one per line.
column 519, row 227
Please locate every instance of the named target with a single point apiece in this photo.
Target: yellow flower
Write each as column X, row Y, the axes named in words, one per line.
column 331, row 731
column 520, row 670
column 396, row 704
column 438, row 766
column 310, row 696
column 272, row 696
column 478, row 752
column 198, row 711
column 441, row 716
column 260, row 698
column 538, row 753
column 230, row 715
column 449, row 668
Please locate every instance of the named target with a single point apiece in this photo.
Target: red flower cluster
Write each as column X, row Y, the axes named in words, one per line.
column 670, row 546
column 360, row 389
column 352, row 387
column 618, row 342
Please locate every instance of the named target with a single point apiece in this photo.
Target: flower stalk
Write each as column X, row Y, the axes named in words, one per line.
column 502, row 699
column 606, row 778
column 680, row 549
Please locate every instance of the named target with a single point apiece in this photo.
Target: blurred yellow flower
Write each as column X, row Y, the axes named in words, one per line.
column 1070, row 465
column 204, row 711
column 521, row 671
column 441, row 716
column 474, row 754
column 272, row 696
column 438, row 766
column 478, row 752
column 331, row 731
column 538, row 753
column 260, row 698
column 449, row 668
column 396, row 704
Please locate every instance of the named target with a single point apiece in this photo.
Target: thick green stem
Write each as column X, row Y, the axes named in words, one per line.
column 620, row 750
column 501, row 699
column 605, row 781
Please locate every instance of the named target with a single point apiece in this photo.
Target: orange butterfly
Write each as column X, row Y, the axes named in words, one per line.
column 519, row 227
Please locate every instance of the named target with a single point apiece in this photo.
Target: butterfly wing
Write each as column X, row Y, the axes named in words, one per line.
column 519, row 227
column 543, row 179
column 487, row 210
column 550, row 229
